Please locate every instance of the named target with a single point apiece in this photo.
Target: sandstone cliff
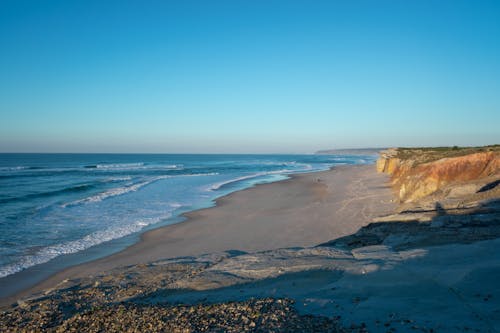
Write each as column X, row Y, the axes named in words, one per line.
column 417, row 173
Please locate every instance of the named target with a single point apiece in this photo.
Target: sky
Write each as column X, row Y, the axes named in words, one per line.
column 247, row 76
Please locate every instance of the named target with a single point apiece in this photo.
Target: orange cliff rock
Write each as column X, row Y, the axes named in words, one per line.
column 413, row 180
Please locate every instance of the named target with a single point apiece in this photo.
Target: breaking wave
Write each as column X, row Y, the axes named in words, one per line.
column 48, row 253
column 113, row 192
column 219, row 185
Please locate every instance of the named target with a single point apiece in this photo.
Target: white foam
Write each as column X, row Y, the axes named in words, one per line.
column 116, row 179
column 172, row 166
column 217, row 186
column 48, row 253
column 135, row 166
column 127, row 189
column 365, row 160
column 119, row 165
column 16, row 168
column 197, row 174
column 306, row 167
column 113, row 192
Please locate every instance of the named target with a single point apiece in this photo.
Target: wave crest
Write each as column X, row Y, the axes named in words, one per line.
column 113, row 192
column 48, row 253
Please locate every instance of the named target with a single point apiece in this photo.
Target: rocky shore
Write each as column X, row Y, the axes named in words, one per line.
column 256, row 315
column 431, row 266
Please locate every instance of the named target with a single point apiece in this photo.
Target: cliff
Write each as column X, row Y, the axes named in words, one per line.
column 416, row 173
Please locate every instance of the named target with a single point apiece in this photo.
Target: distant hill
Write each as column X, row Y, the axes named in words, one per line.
column 355, row 151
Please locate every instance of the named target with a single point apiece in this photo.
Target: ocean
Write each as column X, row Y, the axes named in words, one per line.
column 52, row 205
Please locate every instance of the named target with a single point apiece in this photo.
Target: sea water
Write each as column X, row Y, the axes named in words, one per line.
column 53, row 205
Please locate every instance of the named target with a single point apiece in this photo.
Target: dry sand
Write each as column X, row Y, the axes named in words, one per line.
column 436, row 275
column 305, row 210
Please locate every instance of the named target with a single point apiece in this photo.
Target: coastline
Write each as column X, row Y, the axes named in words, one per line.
column 304, row 210
column 256, row 262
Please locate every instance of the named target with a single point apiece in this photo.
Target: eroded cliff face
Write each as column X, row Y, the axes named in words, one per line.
column 388, row 162
column 413, row 180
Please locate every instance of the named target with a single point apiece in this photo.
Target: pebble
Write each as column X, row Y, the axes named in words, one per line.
column 255, row 315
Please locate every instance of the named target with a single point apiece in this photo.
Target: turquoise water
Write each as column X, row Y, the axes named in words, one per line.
column 52, row 205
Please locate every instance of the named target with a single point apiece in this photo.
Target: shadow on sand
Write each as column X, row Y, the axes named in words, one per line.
column 408, row 282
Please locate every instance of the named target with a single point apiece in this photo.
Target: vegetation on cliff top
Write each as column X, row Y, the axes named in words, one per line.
column 430, row 154
column 419, row 172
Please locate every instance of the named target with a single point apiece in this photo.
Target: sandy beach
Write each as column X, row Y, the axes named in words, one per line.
column 321, row 252
column 305, row 210
column 250, row 166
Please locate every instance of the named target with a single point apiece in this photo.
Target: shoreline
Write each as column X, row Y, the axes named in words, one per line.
column 260, row 227
column 397, row 272
column 35, row 275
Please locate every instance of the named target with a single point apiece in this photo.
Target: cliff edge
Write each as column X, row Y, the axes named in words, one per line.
column 419, row 172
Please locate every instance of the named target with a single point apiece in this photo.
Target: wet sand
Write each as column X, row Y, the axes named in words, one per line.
column 306, row 210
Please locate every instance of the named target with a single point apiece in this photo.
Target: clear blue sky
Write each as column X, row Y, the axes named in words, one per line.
column 247, row 76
